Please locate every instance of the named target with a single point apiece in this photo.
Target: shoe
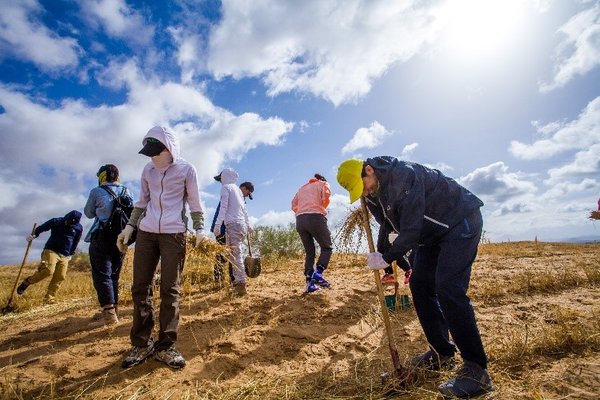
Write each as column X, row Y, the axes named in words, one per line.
column 432, row 361
column 239, row 289
column 22, row 287
column 317, row 277
column 108, row 317
column 471, row 380
column 171, row 357
column 388, row 279
column 312, row 287
column 137, row 355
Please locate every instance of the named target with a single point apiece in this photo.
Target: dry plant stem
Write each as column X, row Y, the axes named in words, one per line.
column 9, row 305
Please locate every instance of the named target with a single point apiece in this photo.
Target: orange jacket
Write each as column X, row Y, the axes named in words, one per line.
column 312, row 198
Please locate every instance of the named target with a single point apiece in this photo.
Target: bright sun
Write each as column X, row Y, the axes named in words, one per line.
column 476, row 28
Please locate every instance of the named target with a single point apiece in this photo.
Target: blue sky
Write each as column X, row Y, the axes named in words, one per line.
column 503, row 96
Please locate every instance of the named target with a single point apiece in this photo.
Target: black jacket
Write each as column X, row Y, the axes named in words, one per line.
column 419, row 203
column 65, row 233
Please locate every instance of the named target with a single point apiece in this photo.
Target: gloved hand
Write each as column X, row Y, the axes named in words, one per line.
column 375, row 261
column 30, row 238
column 69, row 258
column 200, row 237
column 407, row 275
column 124, row 237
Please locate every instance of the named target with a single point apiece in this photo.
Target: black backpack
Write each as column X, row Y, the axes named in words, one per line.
column 119, row 216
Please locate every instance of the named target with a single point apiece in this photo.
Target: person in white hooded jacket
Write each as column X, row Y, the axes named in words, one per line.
column 235, row 216
column 168, row 183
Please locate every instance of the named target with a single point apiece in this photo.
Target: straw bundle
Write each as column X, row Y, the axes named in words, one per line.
column 595, row 215
column 351, row 233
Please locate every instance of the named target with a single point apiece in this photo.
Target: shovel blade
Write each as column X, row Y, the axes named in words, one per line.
column 252, row 266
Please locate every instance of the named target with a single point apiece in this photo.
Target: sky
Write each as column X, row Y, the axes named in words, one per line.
column 501, row 95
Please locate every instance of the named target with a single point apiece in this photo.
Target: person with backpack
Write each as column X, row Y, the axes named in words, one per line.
column 109, row 204
column 310, row 207
column 65, row 233
column 168, row 184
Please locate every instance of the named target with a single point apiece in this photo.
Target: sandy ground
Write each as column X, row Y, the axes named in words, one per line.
column 278, row 342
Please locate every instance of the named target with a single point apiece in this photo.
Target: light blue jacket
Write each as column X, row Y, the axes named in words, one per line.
column 99, row 205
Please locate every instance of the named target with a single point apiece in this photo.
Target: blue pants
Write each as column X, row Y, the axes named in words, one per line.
column 106, row 261
column 439, row 283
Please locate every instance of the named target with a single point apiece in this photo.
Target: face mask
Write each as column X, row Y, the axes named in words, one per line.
column 163, row 159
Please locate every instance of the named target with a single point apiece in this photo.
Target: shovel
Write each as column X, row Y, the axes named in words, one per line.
column 251, row 264
column 9, row 307
column 401, row 377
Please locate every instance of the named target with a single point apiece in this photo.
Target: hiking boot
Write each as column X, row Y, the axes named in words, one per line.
column 312, row 287
column 137, row 354
column 171, row 357
column 388, row 279
column 239, row 289
column 22, row 287
column 432, row 361
column 471, row 380
column 108, row 317
column 317, row 277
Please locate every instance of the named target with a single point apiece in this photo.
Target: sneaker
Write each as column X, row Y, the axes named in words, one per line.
column 317, row 277
column 22, row 287
column 108, row 317
column 312, row 287
column 171, row 357
column 388, row 279
column 432, row 361
column 471, row 380
column 137, row 355
column 239, row 289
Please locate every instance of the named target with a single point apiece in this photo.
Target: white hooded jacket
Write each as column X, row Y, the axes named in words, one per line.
column 233, row 207
column 164, row 192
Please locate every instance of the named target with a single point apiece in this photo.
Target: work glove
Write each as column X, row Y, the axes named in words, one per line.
column 69, row 258
column 375, row 261
column 124, row 237
column 30, row 238
column 407, row 275
column 201, row 237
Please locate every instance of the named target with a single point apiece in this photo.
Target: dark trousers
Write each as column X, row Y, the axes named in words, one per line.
column 313, row 227
column 106, row 261
column 439, row 284
column 220, row 262
column 149, row 249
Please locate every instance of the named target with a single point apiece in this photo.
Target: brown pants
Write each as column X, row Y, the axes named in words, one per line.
column 52, row 264
column 150, row 248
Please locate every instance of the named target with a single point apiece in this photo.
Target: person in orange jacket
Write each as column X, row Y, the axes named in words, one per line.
column 310, row 206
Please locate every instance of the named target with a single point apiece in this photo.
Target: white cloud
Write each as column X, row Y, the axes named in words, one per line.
column 117, row 19
column 581, row 133
column 23, row 35
column 274, row 218
column 366, row 138
column 408, row 151
column 586, row 163
column 579, row 52
column 331, row 49
column 496, row 184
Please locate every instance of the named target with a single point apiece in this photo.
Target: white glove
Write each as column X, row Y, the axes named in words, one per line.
column 200, row 237
column 376, row 261
column 124, row 237
column 69, row 258
column 30, row 238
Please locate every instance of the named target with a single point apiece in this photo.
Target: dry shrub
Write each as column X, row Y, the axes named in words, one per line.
column 594, row 215
column 351, row 232
column 529, row 283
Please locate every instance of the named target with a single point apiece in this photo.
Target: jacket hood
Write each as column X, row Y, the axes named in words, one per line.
column 166, row 137
column 228, row 175
column 72, row 217
column 382, row 166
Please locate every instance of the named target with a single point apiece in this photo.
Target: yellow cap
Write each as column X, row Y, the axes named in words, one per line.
column 349, row 177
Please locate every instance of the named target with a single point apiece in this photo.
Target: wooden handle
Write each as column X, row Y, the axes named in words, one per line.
column 376, row 275
column 12, row 295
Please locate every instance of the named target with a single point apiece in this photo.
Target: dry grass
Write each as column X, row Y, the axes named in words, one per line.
column 352, row 232
column 595, row 215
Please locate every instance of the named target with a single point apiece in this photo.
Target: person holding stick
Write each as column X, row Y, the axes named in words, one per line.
column 441, row 221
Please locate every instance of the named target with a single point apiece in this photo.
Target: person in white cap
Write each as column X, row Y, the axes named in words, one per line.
column 168, row 183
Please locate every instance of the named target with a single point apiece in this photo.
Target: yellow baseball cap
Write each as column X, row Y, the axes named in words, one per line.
column 349, row 177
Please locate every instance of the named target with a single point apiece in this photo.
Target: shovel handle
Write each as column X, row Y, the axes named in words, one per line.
column 376, row 275
column 12, row 295
column 249, row 246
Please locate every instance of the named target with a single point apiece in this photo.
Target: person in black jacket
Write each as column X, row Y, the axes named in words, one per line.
column 65, row 233
column 441, row 222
